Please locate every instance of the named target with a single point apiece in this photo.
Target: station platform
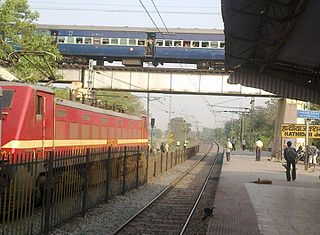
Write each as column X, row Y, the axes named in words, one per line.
column 283, row 207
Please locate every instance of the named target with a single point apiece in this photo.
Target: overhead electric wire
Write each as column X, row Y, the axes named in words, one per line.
column 122, row 11
column 116, row 5
column 154, row 5
column 154, row 23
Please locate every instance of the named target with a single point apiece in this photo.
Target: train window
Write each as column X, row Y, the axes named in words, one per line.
column 118, row 134
column 135, row 133
column 79, row 40
column 221, row 44
column 103, row 132
column 141, row 42
column 39, row 104
column 74, row 130
column 85, row 131
column 95, row 132
column 7, row 97
column 114, row 41
column 205, row 44
column 61, row 113
column 168, row 43
column 123, row 41
column 111, row 132
column 132, row 42
column 195, row 44
column 62, row 40
column 186, row 43
column 87, row 40
column 105, row 41
column 70, row 39
column 96, row 41
column 60, row 130
column 124, row 133
column 159, row 43
column 214, row 44
column 86, row 117
column 177, row 43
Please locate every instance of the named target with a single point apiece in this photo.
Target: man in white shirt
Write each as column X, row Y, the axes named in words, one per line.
column 259, row 146
column 228, row 149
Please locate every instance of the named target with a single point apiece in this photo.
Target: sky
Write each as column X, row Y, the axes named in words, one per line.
column 174, row 14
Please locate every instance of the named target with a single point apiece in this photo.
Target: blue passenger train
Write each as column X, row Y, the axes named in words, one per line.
column 133, row 46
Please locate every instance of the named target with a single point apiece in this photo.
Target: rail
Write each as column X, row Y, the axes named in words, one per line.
column 168, row 188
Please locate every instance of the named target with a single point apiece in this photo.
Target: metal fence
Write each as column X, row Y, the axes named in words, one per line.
column 39, row 192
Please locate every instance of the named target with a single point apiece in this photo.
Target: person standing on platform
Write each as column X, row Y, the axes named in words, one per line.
column 228, row 149
column 233, row 142
column 313, row 153
column 259, row 146
column 243, row 144
column 166, row 147
column 290, row 154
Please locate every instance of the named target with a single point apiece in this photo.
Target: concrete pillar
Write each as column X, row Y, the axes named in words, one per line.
column 287, row 113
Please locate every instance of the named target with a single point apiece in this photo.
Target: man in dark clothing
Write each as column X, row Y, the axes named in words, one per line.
column 290, row 155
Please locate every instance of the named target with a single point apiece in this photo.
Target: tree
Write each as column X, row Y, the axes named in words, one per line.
column 180, row 128
column 129, row 102
column 260, row 123
column 31, row 55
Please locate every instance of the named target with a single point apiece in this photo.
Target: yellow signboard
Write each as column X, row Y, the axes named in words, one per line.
column 171, row 136
column 299, row 131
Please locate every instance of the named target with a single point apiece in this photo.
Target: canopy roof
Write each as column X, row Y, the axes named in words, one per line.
column 274, row 45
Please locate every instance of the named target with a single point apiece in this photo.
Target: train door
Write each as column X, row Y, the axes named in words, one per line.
column 151, row 41
column 44, row 119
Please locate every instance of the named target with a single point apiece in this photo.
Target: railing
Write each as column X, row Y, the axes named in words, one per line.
column 40, row 192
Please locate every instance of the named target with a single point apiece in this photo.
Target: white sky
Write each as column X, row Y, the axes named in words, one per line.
column 178, row 13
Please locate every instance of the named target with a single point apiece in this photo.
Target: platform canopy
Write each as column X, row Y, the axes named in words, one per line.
column 274, row 45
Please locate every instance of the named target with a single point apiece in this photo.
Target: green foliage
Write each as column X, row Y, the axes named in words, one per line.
column 32, row 55
column 156, row 134
column 260, row 123
column 63, row 93
column 130, row 103
column 180, row 128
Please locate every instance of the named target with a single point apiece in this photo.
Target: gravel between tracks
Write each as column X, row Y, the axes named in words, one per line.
column 107, row 217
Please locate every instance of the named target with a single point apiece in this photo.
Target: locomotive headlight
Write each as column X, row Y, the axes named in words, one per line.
column 131, row 49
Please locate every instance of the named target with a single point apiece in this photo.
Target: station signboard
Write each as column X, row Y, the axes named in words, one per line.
column 299, row 131
column 309, row 114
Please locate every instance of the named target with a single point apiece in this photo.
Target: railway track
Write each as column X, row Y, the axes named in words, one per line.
column 171, row 211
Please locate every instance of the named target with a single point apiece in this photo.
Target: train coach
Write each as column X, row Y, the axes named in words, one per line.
column 33, row 119
column 133, row 46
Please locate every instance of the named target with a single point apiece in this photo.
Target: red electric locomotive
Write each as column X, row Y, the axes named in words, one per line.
column 33, row 119
column 36, row 123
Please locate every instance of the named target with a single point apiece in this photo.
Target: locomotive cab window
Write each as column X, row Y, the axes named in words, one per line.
column 39, row 104
column 39, row 107
column 7, row 98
